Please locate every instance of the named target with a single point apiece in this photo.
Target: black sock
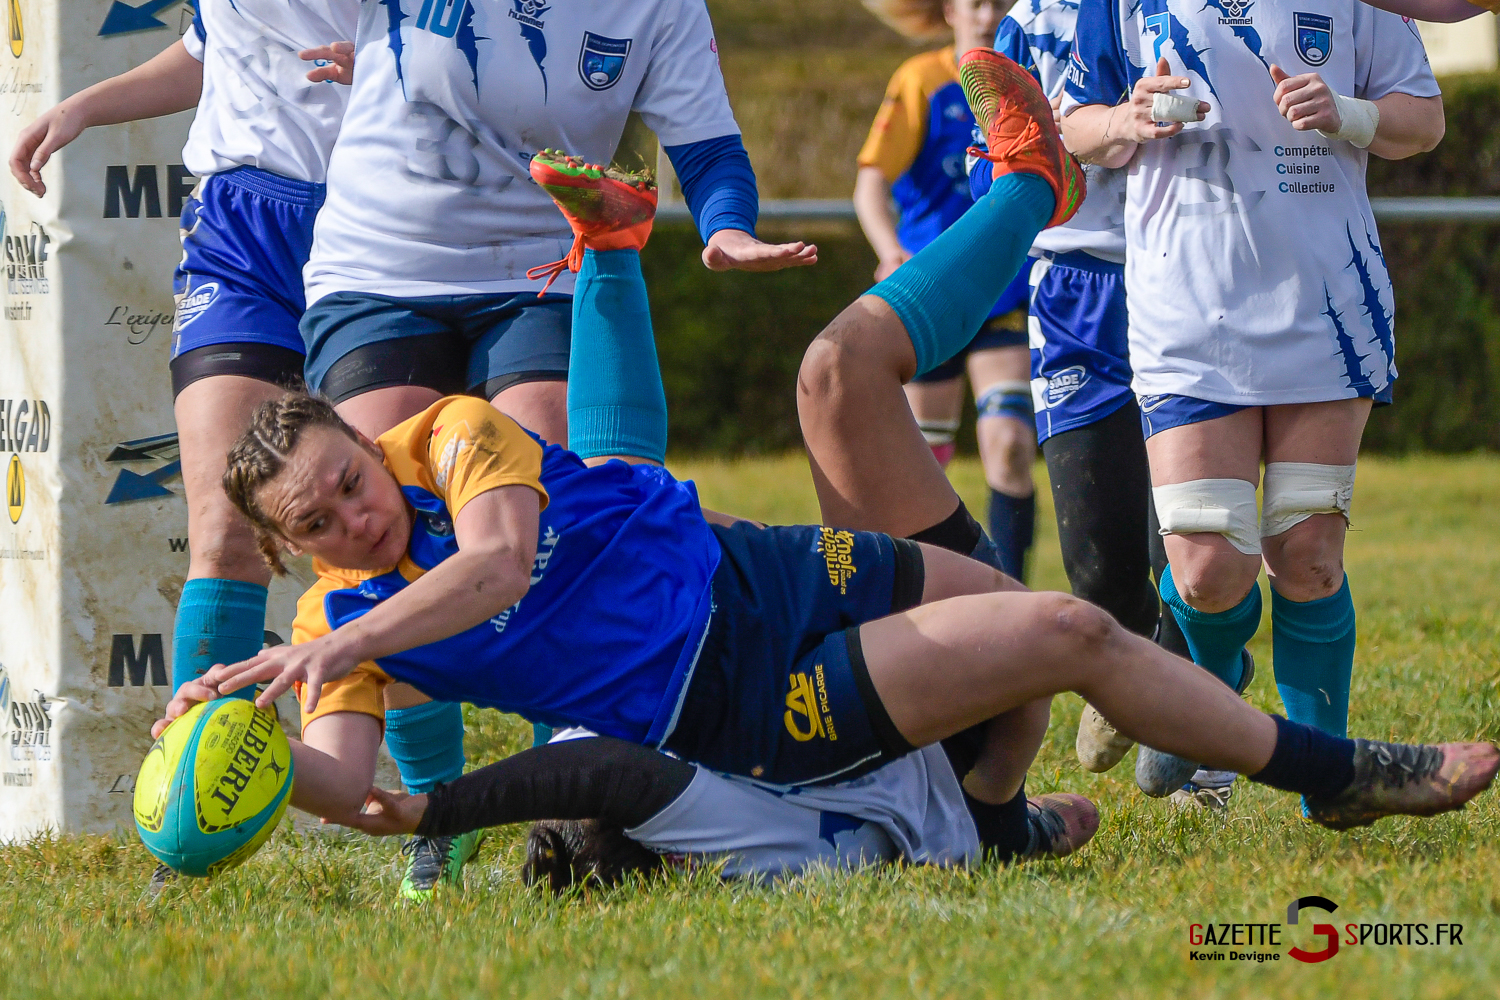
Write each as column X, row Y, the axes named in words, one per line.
column 958, row 532
column 1004, row 829
column 1013, row 529
column 1308, row 761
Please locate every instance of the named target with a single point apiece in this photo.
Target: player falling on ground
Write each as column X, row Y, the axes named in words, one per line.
column 420, row 279
column 1260, row 307
column 915, row 153
column 260, row 144
column 646, row 623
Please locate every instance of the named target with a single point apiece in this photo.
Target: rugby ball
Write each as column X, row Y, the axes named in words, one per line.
column 213, row 787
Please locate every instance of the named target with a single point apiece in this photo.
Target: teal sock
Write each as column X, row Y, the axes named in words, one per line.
column 540, row 735
column 944, row 293
column 427, row 743
column 1216, row 640
column 616, row 403
column 1313, row 646
column 218, row 621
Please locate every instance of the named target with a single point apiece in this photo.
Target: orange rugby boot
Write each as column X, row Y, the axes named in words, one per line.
column 1018, row 125
column 608, row 208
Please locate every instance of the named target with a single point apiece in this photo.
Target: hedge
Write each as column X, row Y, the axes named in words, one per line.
column 730, row 343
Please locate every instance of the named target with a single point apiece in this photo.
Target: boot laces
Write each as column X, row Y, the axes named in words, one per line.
column 1028, row 136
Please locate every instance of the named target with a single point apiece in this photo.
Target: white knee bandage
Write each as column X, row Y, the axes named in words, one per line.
column 1295, row 491
column 1217, row 506
column 938, row 432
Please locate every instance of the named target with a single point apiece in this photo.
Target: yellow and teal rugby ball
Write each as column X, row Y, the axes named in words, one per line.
column 213, row 787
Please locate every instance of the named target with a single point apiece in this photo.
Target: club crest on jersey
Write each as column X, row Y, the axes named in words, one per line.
column 602, row 60
column 1314, row 37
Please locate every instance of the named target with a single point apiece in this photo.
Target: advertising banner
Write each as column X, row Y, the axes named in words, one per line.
column 93, row 542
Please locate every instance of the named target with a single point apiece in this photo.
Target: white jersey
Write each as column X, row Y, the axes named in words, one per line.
column 1255, row 274
column 1038, row 34
column 258, row 108
column 429, row 190
column 911, row 809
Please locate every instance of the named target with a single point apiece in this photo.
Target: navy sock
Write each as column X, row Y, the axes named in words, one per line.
column 1004, row 829
column 218, row 621
column 1313, row 643
column 958, row 532
column 1217, row 639
column 944, row 293
column 616, row 402
column 427, row 743
column 1308, row 761
column 1013, row 528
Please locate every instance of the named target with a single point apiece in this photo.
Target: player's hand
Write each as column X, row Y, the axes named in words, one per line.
column 1305, row 101
column 56, row 127
column 312, row 664
column 335, row 62
column 888, row 265
column 387, row 814
column 736, row 250
column 1133, row 119
column 192, row 693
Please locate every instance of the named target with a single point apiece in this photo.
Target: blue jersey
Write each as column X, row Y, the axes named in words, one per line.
column 918, row 142
column 620, row 590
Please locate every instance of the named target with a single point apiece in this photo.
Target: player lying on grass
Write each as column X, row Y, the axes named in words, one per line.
column 797, row 655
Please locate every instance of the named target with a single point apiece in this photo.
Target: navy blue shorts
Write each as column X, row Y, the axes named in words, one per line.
column 1005, row 327
column 780, row 692
column 1080, row 353
column 245, row 235
column 452, row 343
column 1165, row 411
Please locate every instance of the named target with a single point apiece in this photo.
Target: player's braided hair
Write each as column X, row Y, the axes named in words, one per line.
column 919, row 20
column 262, row 452
column 563, row 853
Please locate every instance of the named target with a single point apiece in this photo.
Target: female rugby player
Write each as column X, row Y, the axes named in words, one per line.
column 463, row 557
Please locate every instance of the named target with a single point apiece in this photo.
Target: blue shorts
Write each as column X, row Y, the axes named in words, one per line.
column 1165, row 411
column 1005, row 327
column 1080, row 367
column 245, row 235
column 451, row 343
column 780, row 692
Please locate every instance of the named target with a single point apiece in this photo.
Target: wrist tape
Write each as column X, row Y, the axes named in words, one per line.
column 1359, row 120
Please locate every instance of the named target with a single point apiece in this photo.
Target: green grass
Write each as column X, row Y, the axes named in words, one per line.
column 315, row 917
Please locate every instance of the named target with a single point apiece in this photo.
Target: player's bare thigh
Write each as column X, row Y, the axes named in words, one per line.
column 1210, row 573
column 211, row 414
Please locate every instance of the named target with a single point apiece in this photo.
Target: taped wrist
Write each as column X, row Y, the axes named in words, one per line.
column 599, row 778
column 1359, row 120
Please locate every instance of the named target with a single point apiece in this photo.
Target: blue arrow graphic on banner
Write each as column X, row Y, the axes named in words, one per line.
column 131, row 486
column 123, row 19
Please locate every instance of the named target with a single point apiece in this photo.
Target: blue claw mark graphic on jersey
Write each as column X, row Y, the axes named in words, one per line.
column 1314, row 37
column 831, row 824
column 1380, row 320
column 394, row 16
column 468, row 42
column 529, row 14
column 1236, row 9
column 1354, row 369
column 1177, row 32
column 1057, row 48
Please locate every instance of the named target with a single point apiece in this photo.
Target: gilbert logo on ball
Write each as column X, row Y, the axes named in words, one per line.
column 213, row 787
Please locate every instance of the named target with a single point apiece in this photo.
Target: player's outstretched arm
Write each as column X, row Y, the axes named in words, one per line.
column 1109, row 136
column 335, row 63
column 1393, row 127
column 496, row 533
column 170, row 82
column 334, row 761
column 1441, row 11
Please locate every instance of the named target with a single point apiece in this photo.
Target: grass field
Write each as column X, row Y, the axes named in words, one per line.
column 314, row 917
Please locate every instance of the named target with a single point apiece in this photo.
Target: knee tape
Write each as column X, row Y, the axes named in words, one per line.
column 1215, row 506
column 1006, row 399
column 1295, row 491
column 938, row 432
